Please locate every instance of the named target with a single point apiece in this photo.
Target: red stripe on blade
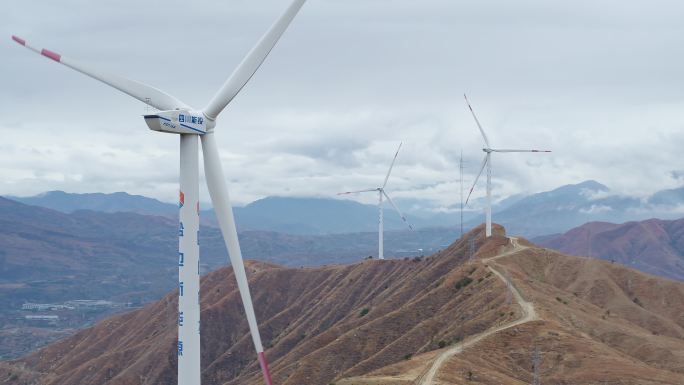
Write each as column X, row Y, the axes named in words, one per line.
column 19, row 40
column 264, row 368
column 54, row 56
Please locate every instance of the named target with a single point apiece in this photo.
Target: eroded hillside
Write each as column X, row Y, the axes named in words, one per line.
column 598, row 323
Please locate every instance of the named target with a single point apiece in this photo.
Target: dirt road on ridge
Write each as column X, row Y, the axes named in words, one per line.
column 529, row 314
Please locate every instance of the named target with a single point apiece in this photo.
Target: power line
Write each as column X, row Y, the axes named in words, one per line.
column 460, row 167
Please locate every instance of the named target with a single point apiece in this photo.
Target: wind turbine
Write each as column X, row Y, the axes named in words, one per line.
column 487, row 161
column 193, row 126
column 381, row 192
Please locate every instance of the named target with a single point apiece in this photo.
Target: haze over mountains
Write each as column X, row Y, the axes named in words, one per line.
column 304, row 216
column 387, row 322
column 534, row 215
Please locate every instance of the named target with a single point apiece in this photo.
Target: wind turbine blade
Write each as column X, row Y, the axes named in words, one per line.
column 392, row 165
column 403, row 218
column 251, row 63
column 356, row 192
column 484, row 164
column 508, row 150
column 218, row 191
column 143, row 92
column 477, row 121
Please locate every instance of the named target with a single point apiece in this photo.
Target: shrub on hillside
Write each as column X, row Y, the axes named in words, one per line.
column 463, row 282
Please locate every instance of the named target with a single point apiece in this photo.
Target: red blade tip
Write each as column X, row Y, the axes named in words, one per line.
column 19, row 40
column 264, row 368
column 54, row 56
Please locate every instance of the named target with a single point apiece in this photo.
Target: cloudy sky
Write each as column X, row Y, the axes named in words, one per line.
column 600, row 82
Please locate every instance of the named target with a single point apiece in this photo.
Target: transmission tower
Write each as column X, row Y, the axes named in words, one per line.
column 460, row 168
column 536, row 361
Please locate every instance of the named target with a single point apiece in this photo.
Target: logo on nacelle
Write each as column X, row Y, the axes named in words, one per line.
column 177, row 122
column 190, row 119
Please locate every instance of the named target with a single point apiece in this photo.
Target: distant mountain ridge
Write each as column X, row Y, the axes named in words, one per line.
column 672, row 197
column 107, row 203
column 544, row 213
column 316, row 216
column 302, row 216
column 559, row 210
column 654, row 246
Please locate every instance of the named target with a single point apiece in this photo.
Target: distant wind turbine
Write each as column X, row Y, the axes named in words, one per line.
column 487, row 161
column 381, row 192
column 177, row 117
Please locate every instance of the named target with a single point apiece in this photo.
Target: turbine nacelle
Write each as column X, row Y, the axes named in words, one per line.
column 179, row 121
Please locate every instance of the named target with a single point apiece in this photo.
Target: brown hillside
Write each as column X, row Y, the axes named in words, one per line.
column 599, row 323
column 594, row 322
column 654, row 246
column 310, row 319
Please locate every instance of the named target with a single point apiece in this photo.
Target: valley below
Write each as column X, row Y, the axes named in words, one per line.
column 127, row 260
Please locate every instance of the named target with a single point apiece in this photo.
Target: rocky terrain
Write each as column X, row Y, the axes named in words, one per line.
column 444, row 319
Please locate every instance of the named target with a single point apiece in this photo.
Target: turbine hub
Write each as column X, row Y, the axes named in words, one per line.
column 487, row 150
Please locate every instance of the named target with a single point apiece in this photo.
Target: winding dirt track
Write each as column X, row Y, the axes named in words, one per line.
column 529, row 314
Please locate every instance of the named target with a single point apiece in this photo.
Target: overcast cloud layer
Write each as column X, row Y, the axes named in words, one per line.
column 598, row 82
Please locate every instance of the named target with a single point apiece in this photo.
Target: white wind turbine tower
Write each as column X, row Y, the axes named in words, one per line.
column 487, row 161
column 381, row 192
column 193, row 126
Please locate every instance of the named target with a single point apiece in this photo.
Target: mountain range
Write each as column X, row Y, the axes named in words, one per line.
column 105, row 253
column 301, row 216
column 498, row 317
column 55, row 255
column 534, row 215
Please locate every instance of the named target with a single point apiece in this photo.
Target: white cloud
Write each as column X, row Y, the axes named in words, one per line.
column 596, row 209
column 598, row 83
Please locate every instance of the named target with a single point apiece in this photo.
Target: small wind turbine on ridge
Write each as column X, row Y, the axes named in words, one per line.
column 487, row 162
column 382, row 193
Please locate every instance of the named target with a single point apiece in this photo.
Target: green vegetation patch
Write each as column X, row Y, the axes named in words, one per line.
column 463, row 282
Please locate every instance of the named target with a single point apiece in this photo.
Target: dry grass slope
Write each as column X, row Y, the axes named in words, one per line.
column 600, row 323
